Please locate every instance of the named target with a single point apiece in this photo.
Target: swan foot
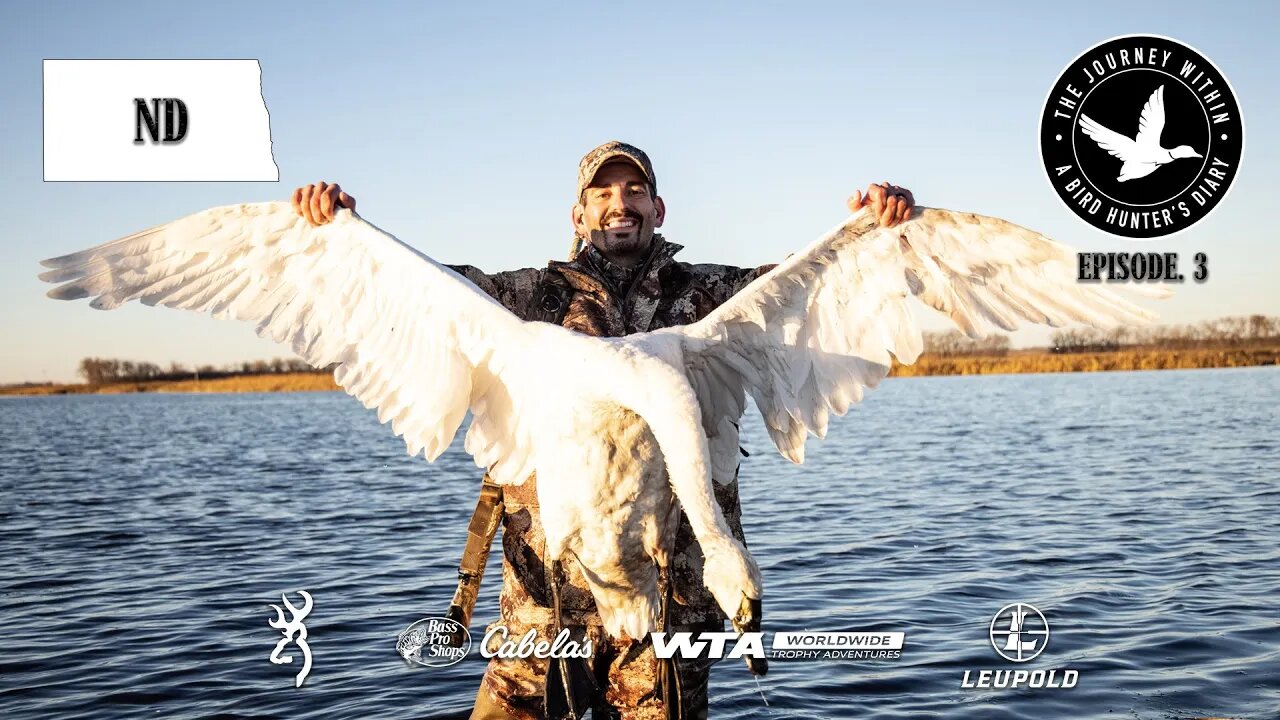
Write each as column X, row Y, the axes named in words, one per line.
column 669, row 686
column 560, row 663
column 750, row 613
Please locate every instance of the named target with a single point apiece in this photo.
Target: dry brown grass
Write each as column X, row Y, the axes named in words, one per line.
column 281, row 382
column 1042, row 361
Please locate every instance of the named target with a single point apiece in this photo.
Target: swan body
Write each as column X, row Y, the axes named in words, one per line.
column 607, row 491
column 617, row 429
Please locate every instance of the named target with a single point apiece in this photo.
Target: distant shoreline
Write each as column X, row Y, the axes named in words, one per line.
column 1036, row 360
column 1041, row 360
column 316, row 381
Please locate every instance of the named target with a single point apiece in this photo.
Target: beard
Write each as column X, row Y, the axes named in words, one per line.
column 631, row 242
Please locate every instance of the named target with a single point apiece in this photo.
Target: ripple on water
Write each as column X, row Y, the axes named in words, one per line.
column 142, row 539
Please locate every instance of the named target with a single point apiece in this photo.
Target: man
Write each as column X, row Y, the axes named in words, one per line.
column 621, row 278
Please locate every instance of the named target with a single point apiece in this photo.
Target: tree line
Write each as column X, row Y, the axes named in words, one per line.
column 98, row 371
column 953, row 343
column 1221, row 333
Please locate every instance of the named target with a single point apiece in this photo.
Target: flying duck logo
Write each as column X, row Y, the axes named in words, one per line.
column 1141, row 136
column 1143, row 154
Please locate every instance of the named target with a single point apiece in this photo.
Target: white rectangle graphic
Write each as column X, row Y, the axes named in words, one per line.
column 161, row 120
column 838, row 640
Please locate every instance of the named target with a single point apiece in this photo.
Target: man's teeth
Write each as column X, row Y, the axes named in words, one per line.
column 618, row 224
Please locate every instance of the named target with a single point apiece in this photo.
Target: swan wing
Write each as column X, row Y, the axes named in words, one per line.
column 1108, row 139
column 406, row 335
column 1151, row 124
column 808, row 337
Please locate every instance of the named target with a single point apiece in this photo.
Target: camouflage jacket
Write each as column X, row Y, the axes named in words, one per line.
column 594, row 296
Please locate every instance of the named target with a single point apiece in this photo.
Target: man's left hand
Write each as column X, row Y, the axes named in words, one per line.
column 891, row 204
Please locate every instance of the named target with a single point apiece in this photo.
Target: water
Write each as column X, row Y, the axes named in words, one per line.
column 142, row 538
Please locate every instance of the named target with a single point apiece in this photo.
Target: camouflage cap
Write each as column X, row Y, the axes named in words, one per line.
column 614, row 150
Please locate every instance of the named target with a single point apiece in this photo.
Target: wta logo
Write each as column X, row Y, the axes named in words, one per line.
column 786, row 645
column 708, row 644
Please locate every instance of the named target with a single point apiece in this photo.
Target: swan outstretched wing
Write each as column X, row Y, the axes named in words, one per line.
column 1108, row 139
column 1151, row 124
column 811, row 335
column 408, row 336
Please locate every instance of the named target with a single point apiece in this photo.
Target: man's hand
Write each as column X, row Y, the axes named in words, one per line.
column 318, row 203
column 890, row 203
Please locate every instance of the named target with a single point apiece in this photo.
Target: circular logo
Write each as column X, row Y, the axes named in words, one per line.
column 1141, row 136
column 1019, row 632
column 434, row 642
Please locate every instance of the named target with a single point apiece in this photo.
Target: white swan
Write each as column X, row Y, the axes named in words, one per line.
column 423, row 345
column 1143, row 154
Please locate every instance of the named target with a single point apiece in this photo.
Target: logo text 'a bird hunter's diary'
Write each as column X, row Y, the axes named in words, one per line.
column 1141, row 136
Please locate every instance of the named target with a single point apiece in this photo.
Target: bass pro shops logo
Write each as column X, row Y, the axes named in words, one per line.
column 1141, row 136
column 1019, row 633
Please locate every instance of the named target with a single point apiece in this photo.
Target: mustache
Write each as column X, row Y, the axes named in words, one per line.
column 623, row 215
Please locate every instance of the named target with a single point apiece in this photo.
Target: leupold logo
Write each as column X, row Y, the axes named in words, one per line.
column 1141, row 136
column 1015, row 638
column 1019, row 633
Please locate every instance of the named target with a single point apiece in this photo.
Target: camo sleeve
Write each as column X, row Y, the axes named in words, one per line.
column 724, row 281
column 512, row 288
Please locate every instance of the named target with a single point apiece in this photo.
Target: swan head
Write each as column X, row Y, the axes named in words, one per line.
column 733, row 578
column 730, row 572
column 1184, row 151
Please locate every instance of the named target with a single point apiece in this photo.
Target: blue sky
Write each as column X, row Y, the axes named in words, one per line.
column 459, row 130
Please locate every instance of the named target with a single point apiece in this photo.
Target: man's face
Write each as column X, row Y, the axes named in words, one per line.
column 617, row 213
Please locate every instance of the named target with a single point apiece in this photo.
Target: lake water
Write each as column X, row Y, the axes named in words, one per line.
column 142, row 538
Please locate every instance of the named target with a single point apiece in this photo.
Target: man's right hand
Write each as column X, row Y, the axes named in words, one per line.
column 318, row 203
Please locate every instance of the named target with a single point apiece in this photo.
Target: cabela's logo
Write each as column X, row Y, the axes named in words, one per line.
column 1141, row 136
